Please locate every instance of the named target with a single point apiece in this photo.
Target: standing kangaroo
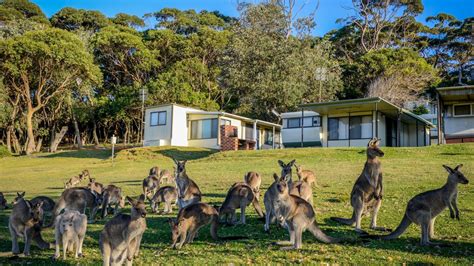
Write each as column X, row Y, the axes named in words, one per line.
column 151, row 183
column 112, row 196
column 24, row 221
column 307, row 176
column 270, row 201
column 254, row 180
column 367, row 192
column 48, row 205
column 166, row 194
column 70, row 230
column 298, row 215
column 166, row 176
column 3, row 202
column 121, row 237
column 298, row 188
column 188, row 190
column 424, row 207
column 239, row 196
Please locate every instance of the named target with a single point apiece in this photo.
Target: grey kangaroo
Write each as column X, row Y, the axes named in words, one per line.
column 24, row 222
column 78, row 199
column 166, row 194
column 298, row 215
column 298, row 188
column 166, row 176
column 367, row 192
column 239, row 196
column 121, row 237
column 48, row 205
column 76, row 180
column 97, row 187
column 151, row 183
column 112, row 196
column 3, row 202
column 270, row 201
column 188, row 190
column 424, row 207
column 70, row 230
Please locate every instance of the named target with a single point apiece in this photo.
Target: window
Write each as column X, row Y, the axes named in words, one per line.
column 158, row 118
column 268, row 137
column 434, row 121
column 309, row 121
column 462, row 109
column 293, row 122
column 360, row 128
column 248, row 129
column 225, row 122
column 204, row 129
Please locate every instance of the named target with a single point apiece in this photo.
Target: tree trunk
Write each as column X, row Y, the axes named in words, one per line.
column 39, row 144
column 16, row 143
column 94, row 134
column 52, row 136
column 57, row 139
column 9, row 138
column 77, row 132
column 30, row 145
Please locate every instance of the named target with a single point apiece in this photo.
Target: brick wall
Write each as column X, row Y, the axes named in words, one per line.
column 229, row 140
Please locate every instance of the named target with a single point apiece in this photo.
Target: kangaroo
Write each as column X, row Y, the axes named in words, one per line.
column 48, row 204
column 97, row 187
column 3, row 202
column 112, row 195
column 166, row 194
column 121, row 237
column 151, row 183
column 24, row 221
column 166, row 176
column 367, row 192
column 188, row 190
column 254, row 180
column 70, row 230
column 190, row 219
column 298, row 215
column 239, row 196
column 307, row 176
column 298, row 188
column 76, row 180
column 424, row 207
column 78, row 199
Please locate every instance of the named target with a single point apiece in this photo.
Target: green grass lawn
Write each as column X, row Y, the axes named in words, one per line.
column 407, row 172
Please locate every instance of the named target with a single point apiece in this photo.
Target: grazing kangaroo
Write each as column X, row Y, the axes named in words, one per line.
column 3, row 202
column 239, row 196
column 254, row 180
column 298, row 215
column 121, row 237
column 166, row 176
column 97, row 187
column 307, row 176
column 367, row 192
column 298, row 188
column 112, row 195
column 78, row 199
column 70, row 230
column 24, row 221
column 166, row 194
column 190, row 219
column 75, row 180
column 188, row 190
column 424, row 207
column 151, row 183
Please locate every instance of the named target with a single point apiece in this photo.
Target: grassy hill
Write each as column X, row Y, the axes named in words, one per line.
column 407, row 172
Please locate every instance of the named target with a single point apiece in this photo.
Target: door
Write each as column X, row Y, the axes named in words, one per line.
column 391, row 132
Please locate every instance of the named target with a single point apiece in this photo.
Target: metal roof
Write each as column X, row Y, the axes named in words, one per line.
column 456, row 93
column 362, row 105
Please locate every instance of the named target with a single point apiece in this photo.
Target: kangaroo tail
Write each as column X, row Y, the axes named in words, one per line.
column 257, row 207
column 400, row 229
column 320, row 235
column 345, row 221
column 214, row 226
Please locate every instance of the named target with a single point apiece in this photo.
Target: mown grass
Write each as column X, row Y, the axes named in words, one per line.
column 407, row 171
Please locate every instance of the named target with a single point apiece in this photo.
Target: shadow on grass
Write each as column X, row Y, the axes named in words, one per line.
column 185, row 155
column 96, row 154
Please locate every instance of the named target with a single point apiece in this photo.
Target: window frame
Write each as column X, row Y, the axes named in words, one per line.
column 349, row 127
column 197, row 120
column 461, row 104
column 266, row 134
column 301, row 121
column 158, row 118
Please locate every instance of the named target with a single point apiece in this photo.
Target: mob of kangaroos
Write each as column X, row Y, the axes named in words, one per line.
column 289, row 203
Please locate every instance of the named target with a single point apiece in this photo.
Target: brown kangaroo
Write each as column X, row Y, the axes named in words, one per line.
column 152, row 182
column 367, row 192
column 166, row 194
column 424, row 207
column 97, row 187
column 166, row 176
column 298, row 188
column 188, row 190
column 239, row 196
column 298, row 215
column 112, row 196
column 307, row 176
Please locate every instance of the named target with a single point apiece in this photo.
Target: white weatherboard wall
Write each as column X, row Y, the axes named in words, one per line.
column 180, row 125
column 158, row 135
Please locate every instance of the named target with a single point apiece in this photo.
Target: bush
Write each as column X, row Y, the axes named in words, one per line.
column 4, row 152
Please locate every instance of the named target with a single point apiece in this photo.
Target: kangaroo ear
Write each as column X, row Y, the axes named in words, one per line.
column 292, row 162
column 281, row 163
column 22, row 194
column 141, row 198
column 175, row 161
column 276, row 177
column 458, row 167
column 184, row 161
column 130, row 200
column 39, row 204
column 449, row 169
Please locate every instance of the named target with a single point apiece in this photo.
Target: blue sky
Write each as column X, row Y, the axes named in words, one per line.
column 327, row 14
